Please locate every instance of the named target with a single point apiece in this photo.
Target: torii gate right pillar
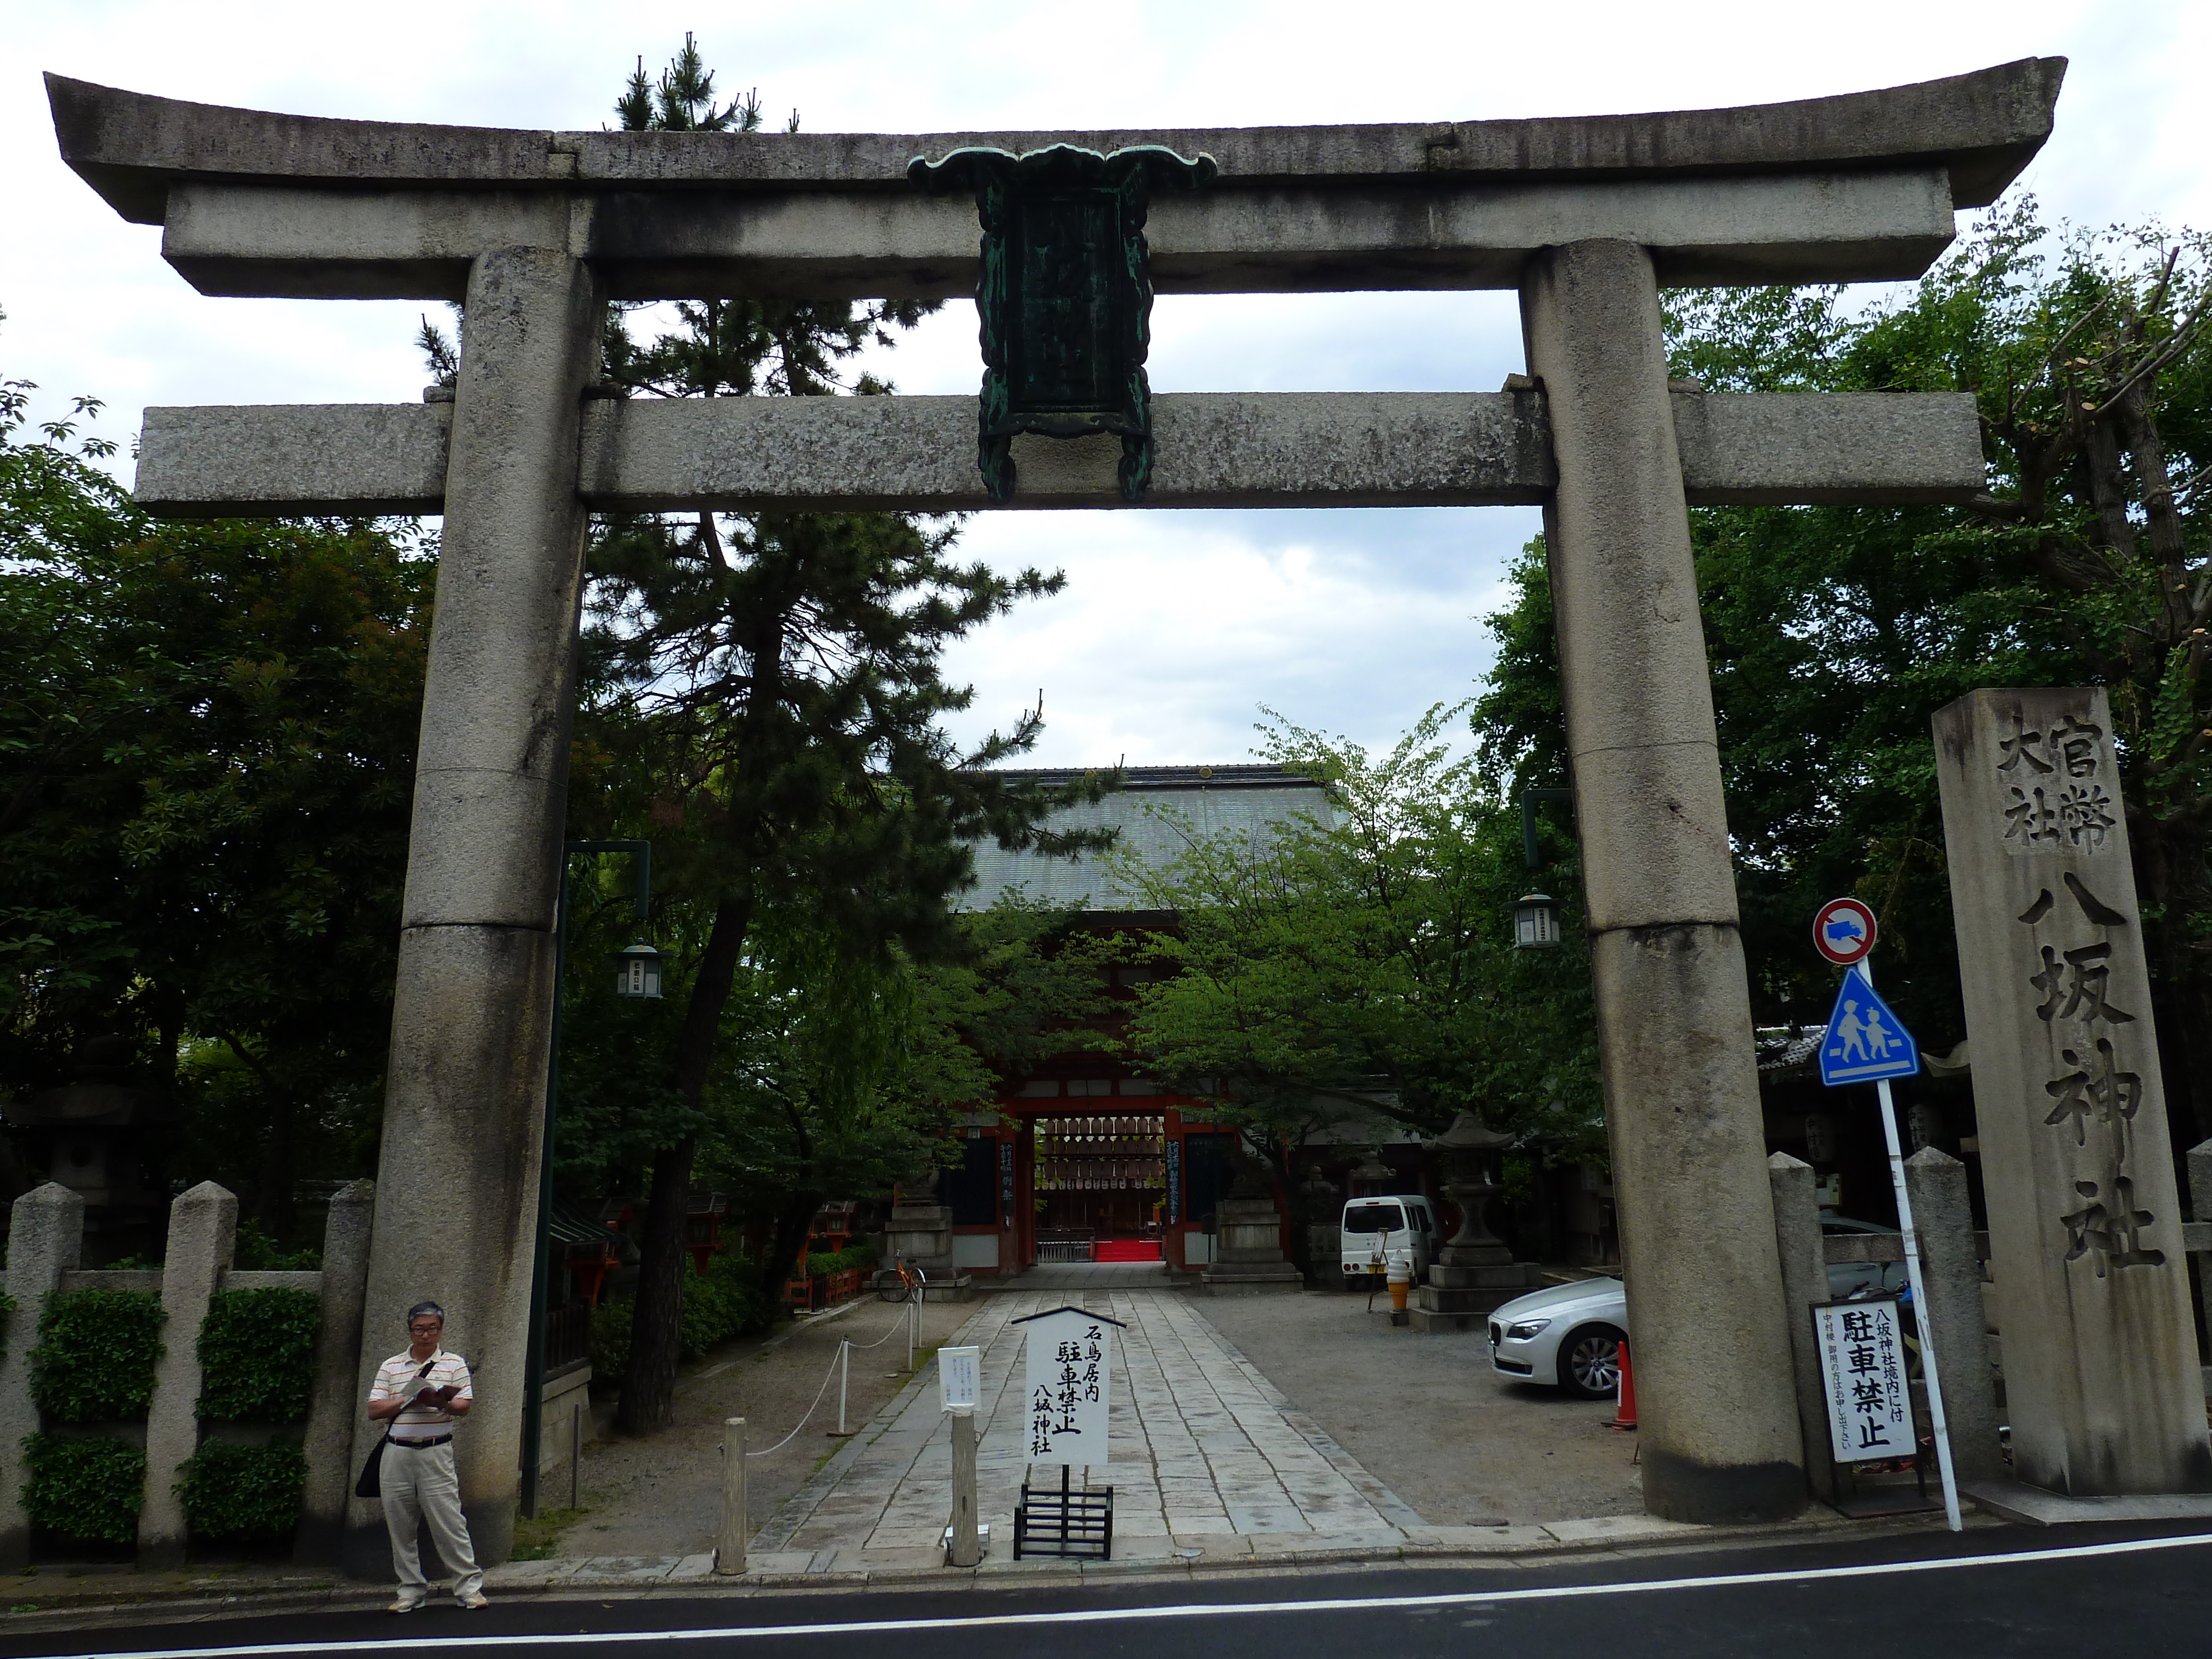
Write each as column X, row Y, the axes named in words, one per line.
column 1707, row 1328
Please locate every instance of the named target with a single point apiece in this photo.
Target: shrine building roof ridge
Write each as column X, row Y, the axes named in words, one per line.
column 1983, row 127
column 1195, row 775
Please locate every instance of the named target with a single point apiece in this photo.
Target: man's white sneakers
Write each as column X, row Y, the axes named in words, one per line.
column 403, row 1607
column 473, row 1601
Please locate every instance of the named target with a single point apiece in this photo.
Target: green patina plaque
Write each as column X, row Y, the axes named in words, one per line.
column 1063, row 294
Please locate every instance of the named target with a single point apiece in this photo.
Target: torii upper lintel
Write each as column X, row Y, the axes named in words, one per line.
column 1851, row 188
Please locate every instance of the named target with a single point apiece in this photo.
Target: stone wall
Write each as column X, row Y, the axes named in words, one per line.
column 45, row 1245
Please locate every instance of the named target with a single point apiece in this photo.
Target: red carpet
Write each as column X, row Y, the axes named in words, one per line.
column 1127, row 1250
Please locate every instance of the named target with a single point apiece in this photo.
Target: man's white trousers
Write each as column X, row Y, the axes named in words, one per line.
column 419, row 1485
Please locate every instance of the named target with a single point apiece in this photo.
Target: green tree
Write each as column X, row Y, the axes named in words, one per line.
column 206, row 753
column 1834, row 633
column 764, row 691
column 1362, row 961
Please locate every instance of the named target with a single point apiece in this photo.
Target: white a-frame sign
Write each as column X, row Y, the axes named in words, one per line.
column 1070, row 1379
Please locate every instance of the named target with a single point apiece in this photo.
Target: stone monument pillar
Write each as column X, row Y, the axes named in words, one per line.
column 457, row 1178
column 920, row 1231
column 1719, row 1437
column 2101, row 1379
column 1247, row 1246
column 1475, row 1272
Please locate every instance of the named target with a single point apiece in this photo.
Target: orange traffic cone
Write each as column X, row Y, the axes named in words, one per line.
column 1624, row 1416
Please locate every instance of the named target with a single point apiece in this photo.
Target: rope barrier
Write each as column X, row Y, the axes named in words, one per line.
column 843, row 1344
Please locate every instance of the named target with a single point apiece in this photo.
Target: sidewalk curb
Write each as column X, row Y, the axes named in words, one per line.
column 1608, row 1534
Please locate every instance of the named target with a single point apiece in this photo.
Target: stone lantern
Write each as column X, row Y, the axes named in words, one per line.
column 1475, row 1271
column 1470, row 1154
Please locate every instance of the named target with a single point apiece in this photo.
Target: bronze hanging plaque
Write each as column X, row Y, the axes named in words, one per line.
column 1063, row 294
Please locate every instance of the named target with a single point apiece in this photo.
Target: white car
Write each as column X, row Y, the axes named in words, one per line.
column 1570, row 1335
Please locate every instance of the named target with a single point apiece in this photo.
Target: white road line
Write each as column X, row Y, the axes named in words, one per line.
column 1180, row 1610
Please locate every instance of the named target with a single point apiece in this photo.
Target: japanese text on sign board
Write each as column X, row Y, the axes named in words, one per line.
column 1069, row 1360
column 1862, row 1374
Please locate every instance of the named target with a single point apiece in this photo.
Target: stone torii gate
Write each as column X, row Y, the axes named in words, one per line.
column 1585, row 218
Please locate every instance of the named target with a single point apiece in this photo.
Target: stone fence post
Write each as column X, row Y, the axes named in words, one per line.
column 333, row 1410
column 1951, row 1273
column 1804, row 1281
column 203, row 1227
column 45, row 1237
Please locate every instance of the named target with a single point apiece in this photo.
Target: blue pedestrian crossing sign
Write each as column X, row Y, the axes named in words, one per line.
column 1864, row 1042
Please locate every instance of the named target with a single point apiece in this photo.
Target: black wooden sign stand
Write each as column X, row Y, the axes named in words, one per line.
column 1066, row 1522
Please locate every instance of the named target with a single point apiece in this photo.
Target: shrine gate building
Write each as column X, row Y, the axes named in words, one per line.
column 1086, row 1158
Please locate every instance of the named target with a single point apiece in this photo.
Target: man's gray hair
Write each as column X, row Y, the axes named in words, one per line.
column 421, row 1308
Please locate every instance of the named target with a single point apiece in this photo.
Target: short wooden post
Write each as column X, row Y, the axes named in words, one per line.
column 730, row 1542
column 967, row 1549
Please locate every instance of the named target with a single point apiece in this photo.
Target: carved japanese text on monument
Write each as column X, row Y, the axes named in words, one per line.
column 2084, row 1222
column 2060, row 785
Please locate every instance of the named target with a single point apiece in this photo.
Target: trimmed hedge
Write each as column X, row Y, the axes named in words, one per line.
column 95, row 1358
column 89, row 1489
column 256, row 1353
column 251, row 1493
column 838, row 1262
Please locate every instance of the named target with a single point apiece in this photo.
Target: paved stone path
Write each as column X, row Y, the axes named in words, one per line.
column 1204, row 1449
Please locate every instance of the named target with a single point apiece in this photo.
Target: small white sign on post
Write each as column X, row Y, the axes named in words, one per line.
column 1862, row 1374
column 959, row 1378
column 1069, row 1374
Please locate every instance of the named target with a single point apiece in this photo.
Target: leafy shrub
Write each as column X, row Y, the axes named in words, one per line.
column 611, row 1322
column 84, row 1488
column 7, row 1320
column 243, row 1491
column 724, row 1302
column 95, row 1358
column 721, row 1303
column 258, row 1355
column 254, row 1251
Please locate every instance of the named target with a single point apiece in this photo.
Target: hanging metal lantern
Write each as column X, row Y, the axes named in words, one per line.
column 1535, row 921
column 637, row 971
column 1063, row 294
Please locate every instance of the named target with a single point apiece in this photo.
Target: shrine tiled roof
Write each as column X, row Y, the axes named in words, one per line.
column 1154, row 810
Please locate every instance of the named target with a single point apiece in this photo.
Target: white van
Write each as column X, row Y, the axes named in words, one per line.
column 1401, row 1227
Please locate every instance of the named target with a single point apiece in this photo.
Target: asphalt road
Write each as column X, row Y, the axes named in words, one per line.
column 2008, row 1592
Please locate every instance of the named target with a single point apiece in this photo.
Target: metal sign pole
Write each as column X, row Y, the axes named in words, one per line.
column 1923, row 1315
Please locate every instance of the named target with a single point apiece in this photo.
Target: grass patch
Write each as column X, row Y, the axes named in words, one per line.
column 536, row 1540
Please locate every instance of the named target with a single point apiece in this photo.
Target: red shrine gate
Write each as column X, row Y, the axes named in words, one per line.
column 1089, row 1169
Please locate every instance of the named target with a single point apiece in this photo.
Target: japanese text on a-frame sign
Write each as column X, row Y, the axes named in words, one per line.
column 1069, row 1375
column 1862, row 1373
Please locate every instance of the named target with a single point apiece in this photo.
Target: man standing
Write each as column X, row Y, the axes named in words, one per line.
column 420, row 1392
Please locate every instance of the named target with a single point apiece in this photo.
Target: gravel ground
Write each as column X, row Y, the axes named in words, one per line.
column 1427, row 1416
column 662, row 1495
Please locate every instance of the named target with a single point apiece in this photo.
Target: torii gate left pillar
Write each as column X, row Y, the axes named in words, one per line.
column 465, row 1096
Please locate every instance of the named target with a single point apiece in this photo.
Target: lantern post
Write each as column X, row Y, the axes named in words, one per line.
column 637, row 974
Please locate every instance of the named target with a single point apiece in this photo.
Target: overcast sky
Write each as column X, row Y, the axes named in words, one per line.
column 1175, row 626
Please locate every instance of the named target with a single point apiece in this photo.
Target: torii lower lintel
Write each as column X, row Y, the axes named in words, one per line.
column 916, row 454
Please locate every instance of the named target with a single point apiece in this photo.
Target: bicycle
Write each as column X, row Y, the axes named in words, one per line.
column 901, row 1281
